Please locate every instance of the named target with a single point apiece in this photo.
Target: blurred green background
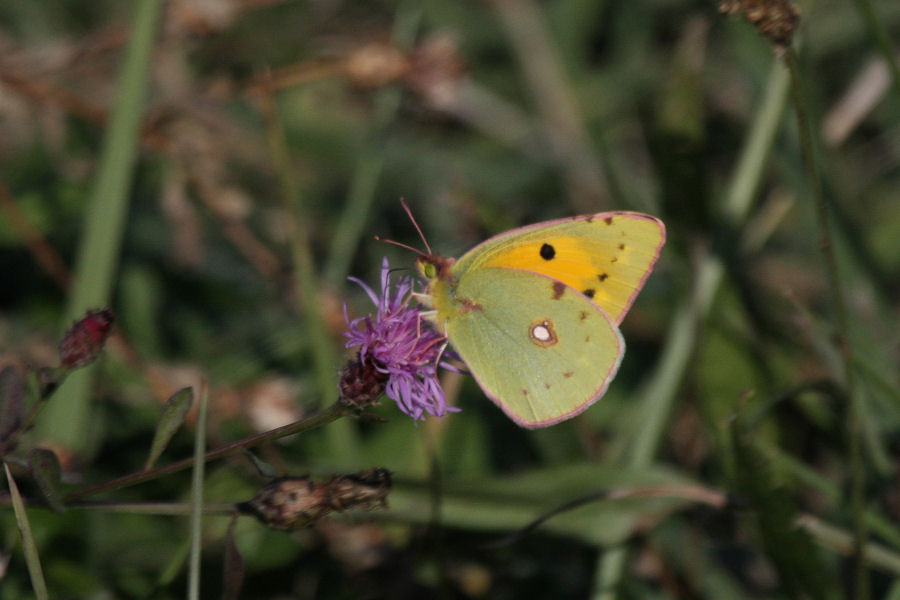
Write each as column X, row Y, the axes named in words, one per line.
column 214, row 171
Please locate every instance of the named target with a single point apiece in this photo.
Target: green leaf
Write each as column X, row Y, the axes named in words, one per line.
column 800, row 567
column 490, row 504
column 47, row 473
column 32, row 559
column 171, row 419
column 262, row 467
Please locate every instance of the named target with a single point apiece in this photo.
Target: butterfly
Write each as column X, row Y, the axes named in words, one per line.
column 535, row 312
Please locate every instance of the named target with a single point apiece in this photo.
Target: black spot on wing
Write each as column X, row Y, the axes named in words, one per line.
column 603, row 277
column 547, row 252
column 589, row 292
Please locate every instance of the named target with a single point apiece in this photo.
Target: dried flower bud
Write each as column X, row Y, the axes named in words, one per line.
column 776, row 20
column 83, row 342
column 365, row 490
column 289, row 503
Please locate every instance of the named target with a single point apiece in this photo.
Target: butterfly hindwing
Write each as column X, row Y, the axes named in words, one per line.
column 540, row 350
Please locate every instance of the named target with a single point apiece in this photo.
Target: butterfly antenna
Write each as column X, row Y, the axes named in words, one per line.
column 378, row 238
column 415, row 224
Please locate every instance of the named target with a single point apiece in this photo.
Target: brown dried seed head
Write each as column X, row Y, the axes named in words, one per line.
column 287, row 503
column 290, row 503
column 776, row 20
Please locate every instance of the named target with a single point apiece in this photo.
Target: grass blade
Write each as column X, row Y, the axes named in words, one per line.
column 197, row 499
column 67, row 420
column 29, row 548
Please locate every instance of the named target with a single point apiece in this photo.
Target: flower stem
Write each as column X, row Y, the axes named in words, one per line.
column 332, row 413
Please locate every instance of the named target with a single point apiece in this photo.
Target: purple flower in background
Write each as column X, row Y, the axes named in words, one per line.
column 402, row 348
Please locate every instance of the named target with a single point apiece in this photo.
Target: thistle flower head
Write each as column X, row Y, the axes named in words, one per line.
column 401, row 347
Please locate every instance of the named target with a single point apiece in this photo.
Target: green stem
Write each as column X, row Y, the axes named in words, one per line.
column 857, row 472
column 40, row 394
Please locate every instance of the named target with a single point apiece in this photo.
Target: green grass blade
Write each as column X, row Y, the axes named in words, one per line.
column 370, row 163
column 32, row 559
column 66, row 420
column 659, row 394
column 801, row 571
column 197, row 499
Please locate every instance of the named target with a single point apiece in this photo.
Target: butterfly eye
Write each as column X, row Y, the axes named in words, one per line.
column 427, row 269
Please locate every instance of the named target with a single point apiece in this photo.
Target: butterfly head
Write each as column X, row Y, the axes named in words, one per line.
column 433, row 267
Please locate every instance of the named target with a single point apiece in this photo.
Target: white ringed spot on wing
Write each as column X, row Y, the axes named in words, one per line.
column 543, row 333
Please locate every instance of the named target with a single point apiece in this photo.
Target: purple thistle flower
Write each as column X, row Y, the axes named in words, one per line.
column 402, row 346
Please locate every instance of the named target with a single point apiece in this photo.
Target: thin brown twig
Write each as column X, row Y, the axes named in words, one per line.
column 333, row 412
column 841, row 325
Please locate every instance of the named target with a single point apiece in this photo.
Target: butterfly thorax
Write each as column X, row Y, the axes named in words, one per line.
column 439, row 295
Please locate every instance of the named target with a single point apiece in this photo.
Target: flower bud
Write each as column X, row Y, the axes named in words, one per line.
column 84, row 340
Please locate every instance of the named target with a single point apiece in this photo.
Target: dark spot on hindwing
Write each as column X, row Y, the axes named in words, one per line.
column 468, row 305
column 589, row 292
column 583, row 316
column 547, row 252
column 558, row 289
column 621, row 246
column 608, row 220
column 568, row 374
column 602, row 277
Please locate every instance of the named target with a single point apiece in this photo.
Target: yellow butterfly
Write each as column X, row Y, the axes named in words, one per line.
column 534, row 312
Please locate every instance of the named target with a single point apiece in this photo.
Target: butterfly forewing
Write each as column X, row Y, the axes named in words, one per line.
column 606, row 256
